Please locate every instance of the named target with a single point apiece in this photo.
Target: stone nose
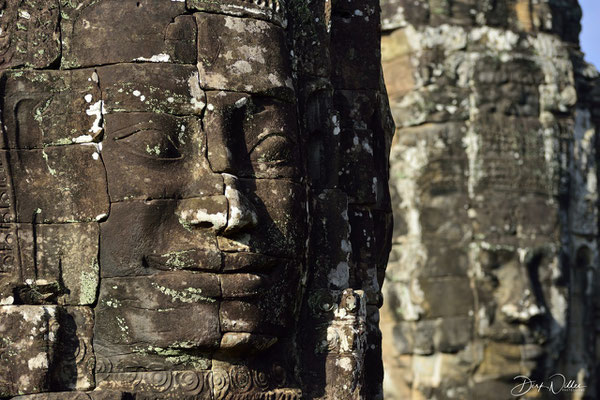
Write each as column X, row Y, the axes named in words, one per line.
column 228, row 213
column 241, row 212
column 523, row 309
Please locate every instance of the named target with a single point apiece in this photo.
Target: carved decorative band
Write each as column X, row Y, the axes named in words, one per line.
column 269, row 10
column 275, row 395
column 274, row 5
column 184, row 383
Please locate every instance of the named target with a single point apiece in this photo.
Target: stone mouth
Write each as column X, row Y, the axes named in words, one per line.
column 214, row 261
column 249, row 262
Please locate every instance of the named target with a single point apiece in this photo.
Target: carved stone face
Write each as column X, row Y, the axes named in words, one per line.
column 163, row 184
column 207, row 212
column 519, row 316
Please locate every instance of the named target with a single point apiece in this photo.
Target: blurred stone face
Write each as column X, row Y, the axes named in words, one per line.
column 492, row 182
column 516, row 291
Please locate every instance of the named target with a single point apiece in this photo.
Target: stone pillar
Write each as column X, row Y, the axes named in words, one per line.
column 194, row 199
column 493, row 270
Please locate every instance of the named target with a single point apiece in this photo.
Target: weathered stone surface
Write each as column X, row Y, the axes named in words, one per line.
column 62, row 255
column 29, row 33
column 42, row 108
column 25, row 358
column 55, row 355
column 260, row 303
column 352, row 24
column 337, row 341
column 279, row 206
column 156, row 241
column 357, row 117
column 101, row 32
column 100, row 395
column 252, row 45
column 74, row 360
column 59, row 184
column 185, row 385
column 138, row 315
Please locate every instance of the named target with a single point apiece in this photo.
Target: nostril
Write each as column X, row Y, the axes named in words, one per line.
column 203, row 212
column 205, row 225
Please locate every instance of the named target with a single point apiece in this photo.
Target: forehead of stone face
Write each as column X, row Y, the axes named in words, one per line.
column 252, row 136
column 244, row 55
column 101, row 32
column 151, row 87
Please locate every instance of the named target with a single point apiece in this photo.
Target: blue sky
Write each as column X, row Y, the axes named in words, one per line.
column 590, row 34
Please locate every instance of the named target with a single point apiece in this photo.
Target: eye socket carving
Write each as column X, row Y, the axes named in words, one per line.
column 274, row 149
column 150, row 143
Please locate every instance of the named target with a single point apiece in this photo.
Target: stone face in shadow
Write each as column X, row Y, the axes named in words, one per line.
column 160, row 232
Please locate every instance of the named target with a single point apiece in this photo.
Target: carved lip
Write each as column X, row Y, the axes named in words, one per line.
column 243, row 285
column 249, row 262
column 521, row 352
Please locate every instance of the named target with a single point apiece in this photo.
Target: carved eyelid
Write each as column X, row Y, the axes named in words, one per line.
column 263, row 137
column 131, row 130
column 146, row 126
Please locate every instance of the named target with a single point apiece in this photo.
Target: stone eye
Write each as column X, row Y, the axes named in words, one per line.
column 150, row 143
column 274, row 149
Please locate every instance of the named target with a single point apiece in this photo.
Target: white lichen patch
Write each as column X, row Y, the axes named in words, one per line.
column 345, row 363
column 242, row 67
column 50, row 169
column 494, row 39
column 157, row 58
column 254, row 53
column 89, row 278
column 339, row 276
column 241, row 212
column 96, row 110
column 472, row 143
column 196, row 93
column 82, row 139
column 38, row 362
column 188, row 295
column 198, row 216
